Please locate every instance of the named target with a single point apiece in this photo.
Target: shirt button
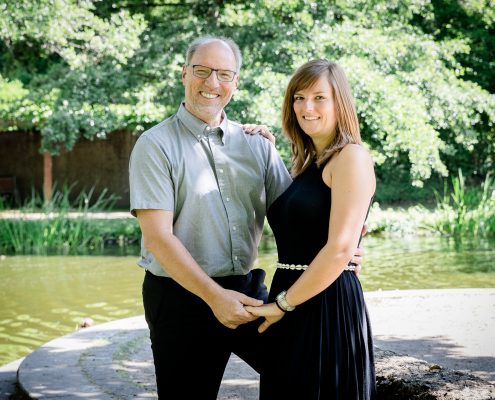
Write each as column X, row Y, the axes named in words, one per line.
column 220, row 170
column 234, row 228
column 228, row 199
column 235, row 258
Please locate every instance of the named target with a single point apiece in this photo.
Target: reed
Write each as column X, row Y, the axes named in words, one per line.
column 63, row 226
column 466, row 212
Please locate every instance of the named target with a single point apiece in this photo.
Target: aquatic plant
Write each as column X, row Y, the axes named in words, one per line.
column 64, row 226
column 465, row 212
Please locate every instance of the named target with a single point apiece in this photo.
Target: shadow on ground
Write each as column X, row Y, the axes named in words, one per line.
column 443, row 351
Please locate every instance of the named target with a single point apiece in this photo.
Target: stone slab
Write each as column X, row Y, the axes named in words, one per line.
column 8, row 379
column 113, row 360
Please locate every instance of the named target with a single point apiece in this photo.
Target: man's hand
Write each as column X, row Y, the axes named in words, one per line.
column 253, row 129
column 229, row 309
column 358, row 255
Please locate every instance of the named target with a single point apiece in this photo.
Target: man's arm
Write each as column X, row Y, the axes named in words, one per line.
column 227, row 305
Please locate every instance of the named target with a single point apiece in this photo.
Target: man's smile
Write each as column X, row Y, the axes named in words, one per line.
column 209, row 95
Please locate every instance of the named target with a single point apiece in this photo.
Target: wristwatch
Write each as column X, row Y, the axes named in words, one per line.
column 282, row 302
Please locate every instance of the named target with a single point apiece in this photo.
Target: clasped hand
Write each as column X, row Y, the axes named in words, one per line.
column 229, row 308
column 271, row 313
column 274, row 314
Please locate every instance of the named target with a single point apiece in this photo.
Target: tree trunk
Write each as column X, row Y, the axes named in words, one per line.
column 47, row 177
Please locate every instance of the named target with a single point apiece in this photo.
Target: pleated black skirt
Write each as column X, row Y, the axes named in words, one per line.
column 323, row 349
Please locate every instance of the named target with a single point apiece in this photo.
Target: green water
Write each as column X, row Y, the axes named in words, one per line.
column 45, row 297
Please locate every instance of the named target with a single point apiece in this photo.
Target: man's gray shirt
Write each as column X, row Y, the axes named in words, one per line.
column 217, row 182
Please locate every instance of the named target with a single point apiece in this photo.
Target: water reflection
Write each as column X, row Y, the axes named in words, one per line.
column 420, row 263
column 45, row 297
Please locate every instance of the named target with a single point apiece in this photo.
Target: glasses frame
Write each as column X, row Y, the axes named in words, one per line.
column 211, row 70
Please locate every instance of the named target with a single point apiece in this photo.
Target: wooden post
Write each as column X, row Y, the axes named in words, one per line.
column 47, row 177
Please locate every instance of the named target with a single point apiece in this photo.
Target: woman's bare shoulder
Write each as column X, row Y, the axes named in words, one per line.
column 353, row 150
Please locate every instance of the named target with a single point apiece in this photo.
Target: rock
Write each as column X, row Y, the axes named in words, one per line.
column 407, row 378
column 86, row 323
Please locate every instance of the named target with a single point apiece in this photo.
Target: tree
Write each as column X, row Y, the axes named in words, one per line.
column 424, row 97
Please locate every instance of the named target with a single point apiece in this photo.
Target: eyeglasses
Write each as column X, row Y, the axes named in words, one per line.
column 223, row 75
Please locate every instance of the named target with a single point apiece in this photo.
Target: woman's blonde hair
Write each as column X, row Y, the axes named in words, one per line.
column 347, row 126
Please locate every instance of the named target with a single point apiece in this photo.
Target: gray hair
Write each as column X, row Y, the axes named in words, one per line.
column 200, row 41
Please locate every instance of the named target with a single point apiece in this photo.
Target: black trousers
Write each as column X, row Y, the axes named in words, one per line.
column 190, row 346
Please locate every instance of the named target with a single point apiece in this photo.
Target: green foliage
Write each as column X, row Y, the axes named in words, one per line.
column 466, row 212
column 394, row 186
column 422, row 71
column 65, row 227
column 71, row 84
column 399, row 221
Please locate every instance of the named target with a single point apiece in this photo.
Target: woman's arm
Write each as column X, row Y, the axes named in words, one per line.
column 352, row 179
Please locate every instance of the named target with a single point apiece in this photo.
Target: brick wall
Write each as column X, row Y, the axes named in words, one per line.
column 98, row 163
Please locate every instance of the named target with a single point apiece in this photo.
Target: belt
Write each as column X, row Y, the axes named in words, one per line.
column 303, row 267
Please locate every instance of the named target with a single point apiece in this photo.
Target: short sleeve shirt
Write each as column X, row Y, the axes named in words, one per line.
column 217, row 182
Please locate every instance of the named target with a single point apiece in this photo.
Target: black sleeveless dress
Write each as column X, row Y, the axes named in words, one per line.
column 323, row 349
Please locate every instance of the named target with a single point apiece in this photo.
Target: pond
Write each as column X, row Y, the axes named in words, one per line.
column 45, row 297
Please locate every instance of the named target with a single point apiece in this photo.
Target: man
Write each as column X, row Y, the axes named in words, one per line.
column 200, row 188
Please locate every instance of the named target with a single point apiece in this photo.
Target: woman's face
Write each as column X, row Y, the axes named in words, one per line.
column 315, row 111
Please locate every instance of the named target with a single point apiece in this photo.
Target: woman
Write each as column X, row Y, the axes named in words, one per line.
column 319, row 343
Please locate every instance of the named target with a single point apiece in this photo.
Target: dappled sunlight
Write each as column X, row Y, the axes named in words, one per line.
column 65, row 344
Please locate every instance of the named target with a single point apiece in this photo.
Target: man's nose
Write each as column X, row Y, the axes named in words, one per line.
column 212, row 80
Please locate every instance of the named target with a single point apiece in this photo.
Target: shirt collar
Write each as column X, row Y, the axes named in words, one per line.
column 200, row 129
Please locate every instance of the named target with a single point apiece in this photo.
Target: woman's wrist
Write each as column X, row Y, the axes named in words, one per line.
column 278, row 306
column 282, row 302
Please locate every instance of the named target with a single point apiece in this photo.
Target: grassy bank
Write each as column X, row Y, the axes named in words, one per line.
column 89, row 225
column 64, row 234
column 63, row 226
column 461, row 212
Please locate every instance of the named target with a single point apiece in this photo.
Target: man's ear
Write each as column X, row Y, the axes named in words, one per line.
column 184, row 72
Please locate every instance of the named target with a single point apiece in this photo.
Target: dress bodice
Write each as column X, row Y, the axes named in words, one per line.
column 299, row 218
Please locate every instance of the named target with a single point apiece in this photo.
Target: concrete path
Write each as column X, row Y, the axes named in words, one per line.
column 451, row 327
column 112, row 361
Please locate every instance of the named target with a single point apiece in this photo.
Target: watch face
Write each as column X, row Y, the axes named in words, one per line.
column 282, row 302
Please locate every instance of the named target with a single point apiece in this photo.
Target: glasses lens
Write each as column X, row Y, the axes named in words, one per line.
column 201, row 72
column 225, row 75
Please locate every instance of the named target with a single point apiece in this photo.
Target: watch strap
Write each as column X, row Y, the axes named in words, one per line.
column 282, row 302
